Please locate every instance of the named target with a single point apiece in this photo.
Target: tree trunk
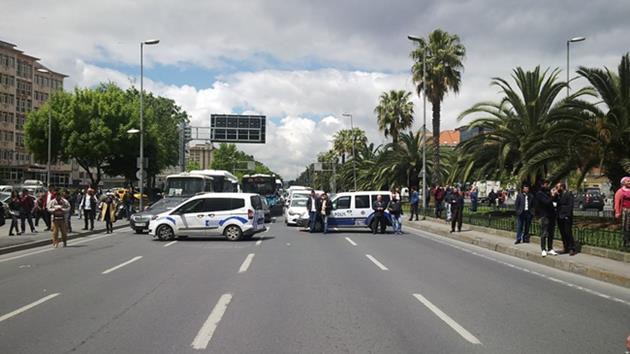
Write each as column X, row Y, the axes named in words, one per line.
column 436, row 141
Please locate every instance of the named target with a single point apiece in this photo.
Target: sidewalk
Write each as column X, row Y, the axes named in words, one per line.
column 29, row 240
column 600, row 268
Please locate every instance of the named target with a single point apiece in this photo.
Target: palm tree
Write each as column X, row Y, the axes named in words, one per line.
column 343, row 140
column 394, row 113
column 443, row 55
column 610, row 129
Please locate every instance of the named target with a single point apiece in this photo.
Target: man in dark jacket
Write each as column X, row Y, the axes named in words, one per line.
column 438, row 195
column 28, row 205
column 523, row 206
column 456, row 202
column 379, row 214
column 565, row 218
column 547, row 212
column 314, row 207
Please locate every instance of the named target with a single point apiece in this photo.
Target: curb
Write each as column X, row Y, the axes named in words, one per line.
column 45, row 242
column 562, row 264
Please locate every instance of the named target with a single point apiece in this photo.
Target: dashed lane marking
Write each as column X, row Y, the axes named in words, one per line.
column 207, row 330
column 121, row 265
column 246, row 263
column 28, row 307
column 375, row 261
column 448, row 320
column 351, row 242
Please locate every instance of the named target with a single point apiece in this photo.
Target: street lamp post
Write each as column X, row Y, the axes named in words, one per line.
column 147, row 42
column 424, row 121
column 572, row 40
column 49, row 134
column 354, row 162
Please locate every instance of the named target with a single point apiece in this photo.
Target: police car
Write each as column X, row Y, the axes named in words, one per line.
column 233, row 215
column 353, row 210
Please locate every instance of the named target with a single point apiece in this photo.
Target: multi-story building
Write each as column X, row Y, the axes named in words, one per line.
column 25, row 84
column 202, row 155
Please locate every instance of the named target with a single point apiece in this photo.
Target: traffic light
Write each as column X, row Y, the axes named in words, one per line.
column 187, row 133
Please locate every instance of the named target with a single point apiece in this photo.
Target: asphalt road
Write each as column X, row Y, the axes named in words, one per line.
column 287, row 291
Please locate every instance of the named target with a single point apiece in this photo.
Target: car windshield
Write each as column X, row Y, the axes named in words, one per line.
column 165, row 204
column 299, row 202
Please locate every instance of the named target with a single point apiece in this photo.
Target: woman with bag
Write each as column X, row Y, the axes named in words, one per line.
column 15, row 205
column 108, row 213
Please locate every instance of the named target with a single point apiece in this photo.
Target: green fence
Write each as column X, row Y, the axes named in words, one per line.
column 583, row 236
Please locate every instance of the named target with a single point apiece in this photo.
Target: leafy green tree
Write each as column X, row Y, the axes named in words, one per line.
column 228, row 157
column 394, row 113
column 192, row 165
column 343, row 140
column 443, row 55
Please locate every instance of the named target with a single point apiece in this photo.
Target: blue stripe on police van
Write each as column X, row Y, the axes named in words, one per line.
column 170, row 219
column 241, row 219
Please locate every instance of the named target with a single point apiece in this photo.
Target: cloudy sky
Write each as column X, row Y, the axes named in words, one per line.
column 304, row 63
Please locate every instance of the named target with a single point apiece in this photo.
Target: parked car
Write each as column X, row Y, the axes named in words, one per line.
column 139, row 222
column 233, row 215
column 4, row 199
column 591, row 198
column 294, row 211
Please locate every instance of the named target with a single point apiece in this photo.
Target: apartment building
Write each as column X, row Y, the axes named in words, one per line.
column 25, row 84
column 202, row 155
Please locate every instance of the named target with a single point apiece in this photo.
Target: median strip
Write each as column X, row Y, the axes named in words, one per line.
column 448, row 320
column 28, row 307
column 207, row 330
column 122, row 265
column 378, row 264
column 246, row 263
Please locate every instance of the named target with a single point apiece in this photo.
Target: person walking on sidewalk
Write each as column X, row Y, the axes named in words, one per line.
column 326, row 209
column 414, row 200
column 523, row 206
column 77, row 201
column 474, row 199
column 108, row 212
column 565, row 202
column 28, row 205
column 58, row 208
column 71, row 201
column 456, row 203
column 38, row 211
column 448, row 196
column 88, row 205
column 15, row 206
column 314, row 207
column 546, row 210
column 48, row 197
column 395, row 210
column 622, row 209
column 438, row 195
column 379, row 214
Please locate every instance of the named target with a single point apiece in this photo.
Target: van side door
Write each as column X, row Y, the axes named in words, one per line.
column 341, row 214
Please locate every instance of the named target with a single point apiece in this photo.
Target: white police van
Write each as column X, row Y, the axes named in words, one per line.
column 233, row 215
column 353, row 210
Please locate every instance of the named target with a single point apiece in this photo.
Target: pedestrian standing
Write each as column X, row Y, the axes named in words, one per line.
column 492, row 198
column 565, row 218
column 474, row 199
column 314, row 207
column 68, row 197
column 88, row 205
column 448, row 194
column 108, row 212
column 379, row 214
column 456, row 203
column 395, row 210
column 622, row 209
column 523, row 207
column 326, row 209
column 439, row 197
column 40, row 205
column 127, row 200
column 414, row 200
column 28, row 204
column 15, row 206
column 77, row 202
column 58, row 209
column 546, row 210
column 48, row 197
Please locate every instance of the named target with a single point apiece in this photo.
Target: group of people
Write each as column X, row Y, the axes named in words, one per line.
column 451, row 199
column 56, row 208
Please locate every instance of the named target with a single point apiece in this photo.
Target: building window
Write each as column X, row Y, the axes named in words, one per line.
column 24, row 69
column 19, row 122
column 7, row 99
column 19, row 140
column 6, row 117
column 7, row 61
column 7, row 80
column 24, row 88
column 23, row 106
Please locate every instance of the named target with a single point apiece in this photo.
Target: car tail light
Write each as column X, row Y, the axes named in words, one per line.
column 250, row 214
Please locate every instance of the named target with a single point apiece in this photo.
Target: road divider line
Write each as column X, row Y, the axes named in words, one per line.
column 448, row 320
column 170, row 243
column 28, row 307
column 122, row 265
column 207, row 330
column 246, row 263
column 351, row 242
column 378, row 264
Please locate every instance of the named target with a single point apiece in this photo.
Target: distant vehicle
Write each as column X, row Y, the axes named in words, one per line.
column 591, row 198
column 299, row 193
column 295, row 210
column 6, row 188
column 33, row 182
column 223, row 181
column 32, row 189
column 233, row 215
column 139, row 222
column 187, row 184
column 266, row 186
column 4, row 199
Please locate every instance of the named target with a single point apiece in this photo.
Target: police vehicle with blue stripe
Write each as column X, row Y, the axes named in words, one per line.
column 233, row 215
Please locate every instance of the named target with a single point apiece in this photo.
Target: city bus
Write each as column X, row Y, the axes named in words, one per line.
column 224, row 181
column 187, row 184
column 266, row 186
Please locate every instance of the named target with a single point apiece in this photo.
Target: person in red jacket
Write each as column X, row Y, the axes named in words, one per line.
column 622, row 209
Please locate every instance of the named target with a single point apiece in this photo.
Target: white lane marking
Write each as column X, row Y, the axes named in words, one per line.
column 121, row 265
column 28, row 307
column 351, row 242
column 170, row 243
column 207, row 330
column 448, row 320
column 434, row 238
column 49, row 248
column 258, row 242
column 378, row 264
column 246, row 263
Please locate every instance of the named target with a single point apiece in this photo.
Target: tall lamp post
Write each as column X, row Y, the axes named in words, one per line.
column 49, row 134
column 569, row 41
column 354, row 162
column 424, row 121
column 147, row 42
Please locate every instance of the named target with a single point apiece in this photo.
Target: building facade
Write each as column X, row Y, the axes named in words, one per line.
column 202, row 155
column 25, row 84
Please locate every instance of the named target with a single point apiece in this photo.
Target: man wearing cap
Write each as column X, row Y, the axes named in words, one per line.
column 622, row 209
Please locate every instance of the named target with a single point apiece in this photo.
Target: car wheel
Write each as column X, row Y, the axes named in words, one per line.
column 165, row 233
column 233, row 233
